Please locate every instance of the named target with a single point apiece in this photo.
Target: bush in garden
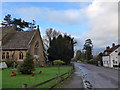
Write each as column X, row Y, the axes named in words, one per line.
column 94, row 62
column 10, row 63
column 58, row 62
column 27, row 67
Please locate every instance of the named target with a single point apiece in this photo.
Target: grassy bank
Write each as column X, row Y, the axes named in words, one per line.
column 17, row 81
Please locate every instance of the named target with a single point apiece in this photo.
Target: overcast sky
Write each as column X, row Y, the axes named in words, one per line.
column 95, row 20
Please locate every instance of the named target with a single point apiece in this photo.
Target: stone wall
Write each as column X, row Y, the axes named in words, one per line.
column 14, row 55
column 37, row 38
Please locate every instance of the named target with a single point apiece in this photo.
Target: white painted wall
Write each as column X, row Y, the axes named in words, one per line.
column 0, row 43
column 114, row 57
column 106, row 61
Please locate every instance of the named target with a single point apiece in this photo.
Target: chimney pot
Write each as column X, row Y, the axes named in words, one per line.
column 113, row 44
column 107, row 47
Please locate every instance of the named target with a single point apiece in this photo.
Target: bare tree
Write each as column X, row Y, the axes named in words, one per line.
column 51, row 33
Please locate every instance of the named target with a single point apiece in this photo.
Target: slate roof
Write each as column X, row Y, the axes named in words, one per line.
column 4, row 31
column 19, row 40
column 109, row 51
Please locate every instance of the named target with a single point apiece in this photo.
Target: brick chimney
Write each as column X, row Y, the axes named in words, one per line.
column 107, row 47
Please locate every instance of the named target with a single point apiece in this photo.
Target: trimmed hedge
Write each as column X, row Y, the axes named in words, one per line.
column 92, row 62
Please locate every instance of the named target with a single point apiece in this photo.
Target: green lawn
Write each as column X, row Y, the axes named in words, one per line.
column 0, row 79
column 17, row 81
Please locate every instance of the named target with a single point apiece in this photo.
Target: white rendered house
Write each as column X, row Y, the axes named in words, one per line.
column 111, row 56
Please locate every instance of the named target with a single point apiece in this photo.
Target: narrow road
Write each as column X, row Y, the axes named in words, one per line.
column 99, row 77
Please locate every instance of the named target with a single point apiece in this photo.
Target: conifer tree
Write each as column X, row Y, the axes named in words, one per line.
column 27, row 66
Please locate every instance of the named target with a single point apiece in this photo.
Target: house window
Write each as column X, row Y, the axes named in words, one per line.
column 36, row 48
column 113, row 61
column 116, row 62
column 119, row 53
column 104, row 62
column 107, row 62
column 7, row 55
column 3, row 55
column 20, row 55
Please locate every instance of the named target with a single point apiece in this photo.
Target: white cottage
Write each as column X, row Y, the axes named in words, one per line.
column 111, row 56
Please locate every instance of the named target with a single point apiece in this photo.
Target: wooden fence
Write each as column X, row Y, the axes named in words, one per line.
column 58, row 78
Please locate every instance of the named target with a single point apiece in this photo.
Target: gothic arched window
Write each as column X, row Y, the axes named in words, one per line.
column 7, row 55
column 3, row 55
column 36, row 48
column 20, row 55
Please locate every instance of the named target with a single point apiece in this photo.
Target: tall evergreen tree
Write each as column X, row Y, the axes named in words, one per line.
column 78, row 55
column 19, row 23
column 7, row 20
column 62, row 47
column 88, row 49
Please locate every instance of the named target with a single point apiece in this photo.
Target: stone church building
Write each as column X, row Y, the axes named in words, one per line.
column 15, row 44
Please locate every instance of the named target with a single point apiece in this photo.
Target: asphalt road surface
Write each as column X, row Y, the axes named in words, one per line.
column 99, row 77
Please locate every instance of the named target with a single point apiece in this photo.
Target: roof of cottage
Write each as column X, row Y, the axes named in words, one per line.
column 110, row 50
column 19, row 40
column 4, row 31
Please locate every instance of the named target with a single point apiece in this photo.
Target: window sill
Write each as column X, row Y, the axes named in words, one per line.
column 20, row 60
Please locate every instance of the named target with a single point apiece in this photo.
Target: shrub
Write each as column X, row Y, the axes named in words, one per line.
column 92, row 62
column 58, row 62
column 27, row 66
column 10, row 63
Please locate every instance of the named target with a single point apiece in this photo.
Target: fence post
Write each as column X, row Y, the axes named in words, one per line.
column 69, row 72
column 24, row 86
column 73, row 67
column 57, row 79
column 62, row 78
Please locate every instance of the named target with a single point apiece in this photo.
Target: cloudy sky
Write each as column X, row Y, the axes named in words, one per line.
column 82, row 20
